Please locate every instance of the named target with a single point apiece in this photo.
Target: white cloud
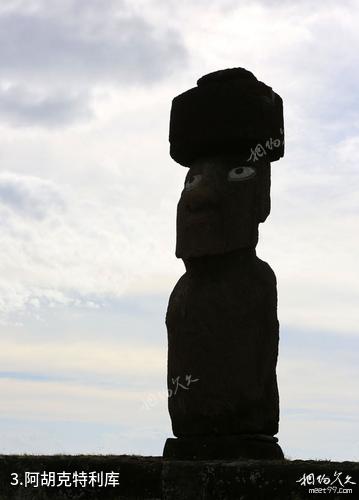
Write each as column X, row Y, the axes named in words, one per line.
column 20, row 106
column 59, row 242
column 29, row 196
column 81, row 357
column 313, row 386
column 54, row 58
column 50, row 400
column 83, row 41
column 319, row 438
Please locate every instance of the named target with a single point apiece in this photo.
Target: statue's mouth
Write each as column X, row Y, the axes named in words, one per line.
column 200, row 217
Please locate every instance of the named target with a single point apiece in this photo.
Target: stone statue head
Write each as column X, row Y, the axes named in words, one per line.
column 227, row 131
column 224, row 199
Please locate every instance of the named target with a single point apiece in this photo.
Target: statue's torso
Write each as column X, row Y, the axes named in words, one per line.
column 223, row 332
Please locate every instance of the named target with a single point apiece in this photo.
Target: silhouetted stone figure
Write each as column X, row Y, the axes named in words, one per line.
column 222, row 314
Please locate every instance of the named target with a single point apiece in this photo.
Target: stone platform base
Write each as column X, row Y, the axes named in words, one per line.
column 254, row 446
column 155, row 478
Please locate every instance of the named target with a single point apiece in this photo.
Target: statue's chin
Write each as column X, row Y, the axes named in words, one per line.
column 196, row 248
column 216, row 232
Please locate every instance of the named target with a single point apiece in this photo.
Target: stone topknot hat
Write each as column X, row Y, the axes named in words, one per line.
column 229, row 111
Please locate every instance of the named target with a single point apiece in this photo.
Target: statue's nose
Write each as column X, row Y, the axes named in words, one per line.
column 201, row 198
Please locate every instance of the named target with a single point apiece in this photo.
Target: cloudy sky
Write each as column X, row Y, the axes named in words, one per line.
column 88, row 198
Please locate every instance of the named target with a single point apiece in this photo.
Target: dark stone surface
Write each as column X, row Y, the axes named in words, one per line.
column 229, row 111
column 222, row 324
column 252, row 479
column 152, row 478
column 223, row 202
column 223, row 330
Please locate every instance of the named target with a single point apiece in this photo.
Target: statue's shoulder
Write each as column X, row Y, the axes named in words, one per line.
column 177, row 299
column 264, row 272
column 180, row 288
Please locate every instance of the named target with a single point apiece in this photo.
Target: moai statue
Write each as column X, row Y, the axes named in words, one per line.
column 222, row 314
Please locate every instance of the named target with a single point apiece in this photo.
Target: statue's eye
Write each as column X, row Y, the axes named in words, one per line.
column 241, row 173
column 192, row 181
